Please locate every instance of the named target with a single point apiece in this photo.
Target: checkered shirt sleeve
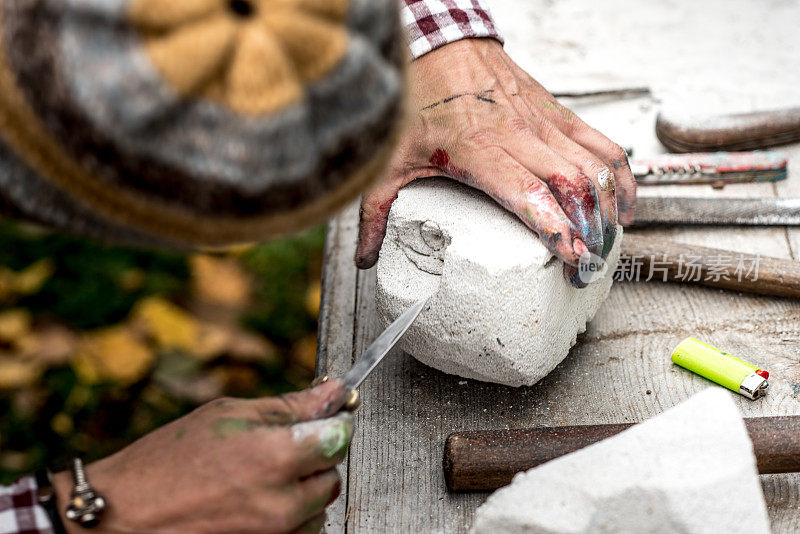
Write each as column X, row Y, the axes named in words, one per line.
column 433, row 23
column 19, row 511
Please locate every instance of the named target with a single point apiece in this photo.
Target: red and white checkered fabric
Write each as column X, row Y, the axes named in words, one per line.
column 434, row 23
column 19, row 511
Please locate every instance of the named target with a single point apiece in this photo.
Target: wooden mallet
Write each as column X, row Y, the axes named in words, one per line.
column 488, row 459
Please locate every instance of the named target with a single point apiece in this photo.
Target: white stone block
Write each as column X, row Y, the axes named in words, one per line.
column 688, row 470
column 501, row 309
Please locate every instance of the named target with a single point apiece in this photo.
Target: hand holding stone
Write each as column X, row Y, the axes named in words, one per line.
column 480, row 119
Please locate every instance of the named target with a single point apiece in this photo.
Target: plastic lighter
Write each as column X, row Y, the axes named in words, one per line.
column 720, row 367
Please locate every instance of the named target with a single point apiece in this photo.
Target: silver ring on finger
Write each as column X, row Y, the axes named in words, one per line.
column 606, row 180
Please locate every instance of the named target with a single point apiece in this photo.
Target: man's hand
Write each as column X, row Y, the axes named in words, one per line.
column 483, row 121
column 264, row 465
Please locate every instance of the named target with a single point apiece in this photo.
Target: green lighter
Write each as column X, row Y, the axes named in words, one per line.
column 720, row 367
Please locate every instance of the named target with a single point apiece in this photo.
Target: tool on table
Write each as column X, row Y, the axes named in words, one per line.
column 650, row 258
column 737, row 131
column 488, row 459
column 722, row 368
column 374, row 354
column 717, row 211
column 621, row 92
column 715, row 168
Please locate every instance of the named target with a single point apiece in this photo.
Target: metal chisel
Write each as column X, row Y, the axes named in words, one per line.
column 717, row 211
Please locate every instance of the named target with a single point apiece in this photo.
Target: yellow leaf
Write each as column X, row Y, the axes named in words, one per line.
column 87, row 369
column 6, row 281
column 78, row 397
column 48, row 345
column 31, row 279
column 220, row 280
column 212, row 341
column 14, row 325
column 132, row 279
column 16, row 373
column 313, row 295
column 304, row 352
column 62, row 424
column 112, row 354
column 169, row 326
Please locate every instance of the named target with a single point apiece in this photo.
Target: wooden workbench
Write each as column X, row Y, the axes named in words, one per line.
column 619, row 371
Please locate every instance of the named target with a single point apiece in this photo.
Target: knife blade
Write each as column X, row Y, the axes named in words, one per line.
column 717, row 211
column 379, row 348
column 374, row 354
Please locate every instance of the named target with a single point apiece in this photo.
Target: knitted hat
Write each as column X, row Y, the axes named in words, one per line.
column 194, row 122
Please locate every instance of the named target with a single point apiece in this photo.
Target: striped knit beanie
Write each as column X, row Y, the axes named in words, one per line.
column 194, row 122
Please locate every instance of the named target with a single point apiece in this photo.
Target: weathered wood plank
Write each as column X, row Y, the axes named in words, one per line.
column 336, row 323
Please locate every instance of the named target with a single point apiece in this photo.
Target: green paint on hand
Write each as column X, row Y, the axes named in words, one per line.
column 229, row 426
column 335, row 439
column 179, row 433
column 277, row 417
column 567, row 114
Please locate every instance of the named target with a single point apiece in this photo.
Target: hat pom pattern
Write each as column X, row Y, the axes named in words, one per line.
column 194, row 122
column 255, row 56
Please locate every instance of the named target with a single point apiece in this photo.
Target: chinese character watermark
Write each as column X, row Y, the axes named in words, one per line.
column 687, row 268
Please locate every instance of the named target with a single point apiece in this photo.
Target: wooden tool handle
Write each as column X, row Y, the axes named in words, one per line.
column 660, row 259
column 741, row 131
column 488, row 459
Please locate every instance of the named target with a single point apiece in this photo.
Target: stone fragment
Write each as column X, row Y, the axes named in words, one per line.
column 501, row 309
column 688, row 470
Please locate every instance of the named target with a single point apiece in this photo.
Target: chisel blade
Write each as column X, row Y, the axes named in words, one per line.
column 653, row 211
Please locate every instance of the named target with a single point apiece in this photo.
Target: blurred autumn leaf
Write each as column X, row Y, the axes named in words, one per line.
column 14, row 324
column 112, row 354
column 312, row 300
column 168, row 325
column 220, row 280
column 49, row 345
column 25, row 282
column 304, row 353
column 17, row 373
